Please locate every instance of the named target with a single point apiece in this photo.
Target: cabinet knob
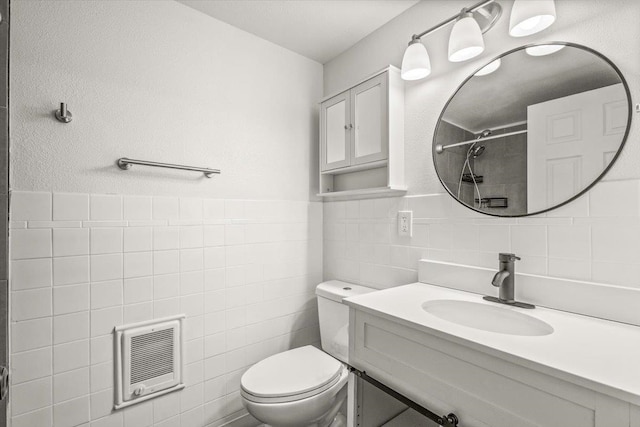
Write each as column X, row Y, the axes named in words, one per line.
column 346, row 127
column 350, row 126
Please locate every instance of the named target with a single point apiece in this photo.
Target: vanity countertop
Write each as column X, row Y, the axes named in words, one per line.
column 598, row 354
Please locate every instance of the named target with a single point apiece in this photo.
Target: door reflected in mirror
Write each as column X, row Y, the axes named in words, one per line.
column 532, row 129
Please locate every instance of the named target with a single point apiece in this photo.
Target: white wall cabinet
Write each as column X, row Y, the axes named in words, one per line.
column 362, row 137
column 635, row 416
column 335, row 132
column 354, row 123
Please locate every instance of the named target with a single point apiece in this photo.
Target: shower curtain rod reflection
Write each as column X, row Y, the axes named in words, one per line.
column 440, row 148
column 125, row 164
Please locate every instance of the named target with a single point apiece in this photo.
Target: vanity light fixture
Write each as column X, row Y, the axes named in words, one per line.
column 415, row 63
column 465, row 41
column 543, row 49
column 489, row 68
column 531, row 16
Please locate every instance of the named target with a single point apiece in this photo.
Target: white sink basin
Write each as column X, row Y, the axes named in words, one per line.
column 486, row 317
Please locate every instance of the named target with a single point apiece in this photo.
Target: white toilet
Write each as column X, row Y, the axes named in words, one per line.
column 305, row 387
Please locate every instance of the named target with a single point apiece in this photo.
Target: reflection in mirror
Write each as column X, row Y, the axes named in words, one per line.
column 532, row 129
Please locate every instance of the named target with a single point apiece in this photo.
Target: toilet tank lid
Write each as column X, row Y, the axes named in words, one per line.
column 338, row 290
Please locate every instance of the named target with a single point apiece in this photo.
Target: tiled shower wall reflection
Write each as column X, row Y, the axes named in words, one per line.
column 594, row 238
column 244, row 272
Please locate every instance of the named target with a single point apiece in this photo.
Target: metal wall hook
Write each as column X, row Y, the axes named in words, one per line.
column 63, row 115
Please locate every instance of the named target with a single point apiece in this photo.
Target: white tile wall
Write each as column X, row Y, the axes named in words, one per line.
column 40, row 417
column 70, row 207
column 70, row 241
column 30, row 243
column 32, row 273
column 106, row 240
column 70, row 270
column 105, row 207
column 70, row 299
column 596, row 238
column 32, row 206
column 70, row 356
column 243, row 271
column 137, row 208
column 32, row 334
column 32, row 365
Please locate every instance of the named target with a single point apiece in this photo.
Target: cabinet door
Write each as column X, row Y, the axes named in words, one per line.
column 481, row 390
column 369, row 114
column 334, row 132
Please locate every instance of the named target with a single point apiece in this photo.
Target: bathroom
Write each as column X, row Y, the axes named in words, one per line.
column 91, row 247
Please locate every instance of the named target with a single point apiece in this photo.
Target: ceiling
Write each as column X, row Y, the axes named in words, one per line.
column 317, row 29
column 501, row 98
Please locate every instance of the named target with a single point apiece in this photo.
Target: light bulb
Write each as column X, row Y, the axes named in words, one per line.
column 489, row 68
column 543, row 49
column 531, row 16
column 415, row 62
column 465, row 41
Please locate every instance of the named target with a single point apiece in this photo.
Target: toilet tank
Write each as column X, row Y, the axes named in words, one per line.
column 334, row 316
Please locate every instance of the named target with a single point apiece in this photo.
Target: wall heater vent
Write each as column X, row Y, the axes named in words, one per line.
column 148, row 360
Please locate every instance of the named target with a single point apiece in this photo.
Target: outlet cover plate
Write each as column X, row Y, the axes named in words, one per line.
column 405, row 223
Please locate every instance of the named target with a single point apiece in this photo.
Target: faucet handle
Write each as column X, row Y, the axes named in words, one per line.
column 508, row 257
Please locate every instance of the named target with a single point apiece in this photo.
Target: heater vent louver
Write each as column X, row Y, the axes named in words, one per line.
column 151, row 355
column 148, row 360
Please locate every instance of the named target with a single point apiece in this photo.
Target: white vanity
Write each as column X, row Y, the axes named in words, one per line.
column 498, row 366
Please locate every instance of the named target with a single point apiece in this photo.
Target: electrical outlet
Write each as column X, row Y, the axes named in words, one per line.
column 405, row 223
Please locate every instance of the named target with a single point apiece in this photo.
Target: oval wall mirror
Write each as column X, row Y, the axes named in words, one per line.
column 532, row 129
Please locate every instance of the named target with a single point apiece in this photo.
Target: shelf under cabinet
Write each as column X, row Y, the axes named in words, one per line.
column 365, row 192
column 355, row 168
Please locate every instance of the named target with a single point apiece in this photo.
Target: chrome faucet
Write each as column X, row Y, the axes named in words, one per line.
column 504, row 279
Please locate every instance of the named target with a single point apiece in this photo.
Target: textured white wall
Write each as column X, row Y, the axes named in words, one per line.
column 155, row 80
column 609, row 27
column 160, row 81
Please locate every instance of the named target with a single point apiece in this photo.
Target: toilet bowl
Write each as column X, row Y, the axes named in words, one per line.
column 306, row 386
column 303, row 387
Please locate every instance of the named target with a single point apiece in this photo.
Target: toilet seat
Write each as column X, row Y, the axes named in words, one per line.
column 291, row 375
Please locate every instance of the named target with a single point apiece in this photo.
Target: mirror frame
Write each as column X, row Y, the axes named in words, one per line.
column 595, row 181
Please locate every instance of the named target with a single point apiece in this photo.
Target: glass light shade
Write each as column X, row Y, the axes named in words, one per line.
column 531, row 16
column 415, row 63
column 465, row 41
column 489, row 68
column 543, row 49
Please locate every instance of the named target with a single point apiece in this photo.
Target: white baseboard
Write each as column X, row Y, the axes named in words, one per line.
column 238, row 419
